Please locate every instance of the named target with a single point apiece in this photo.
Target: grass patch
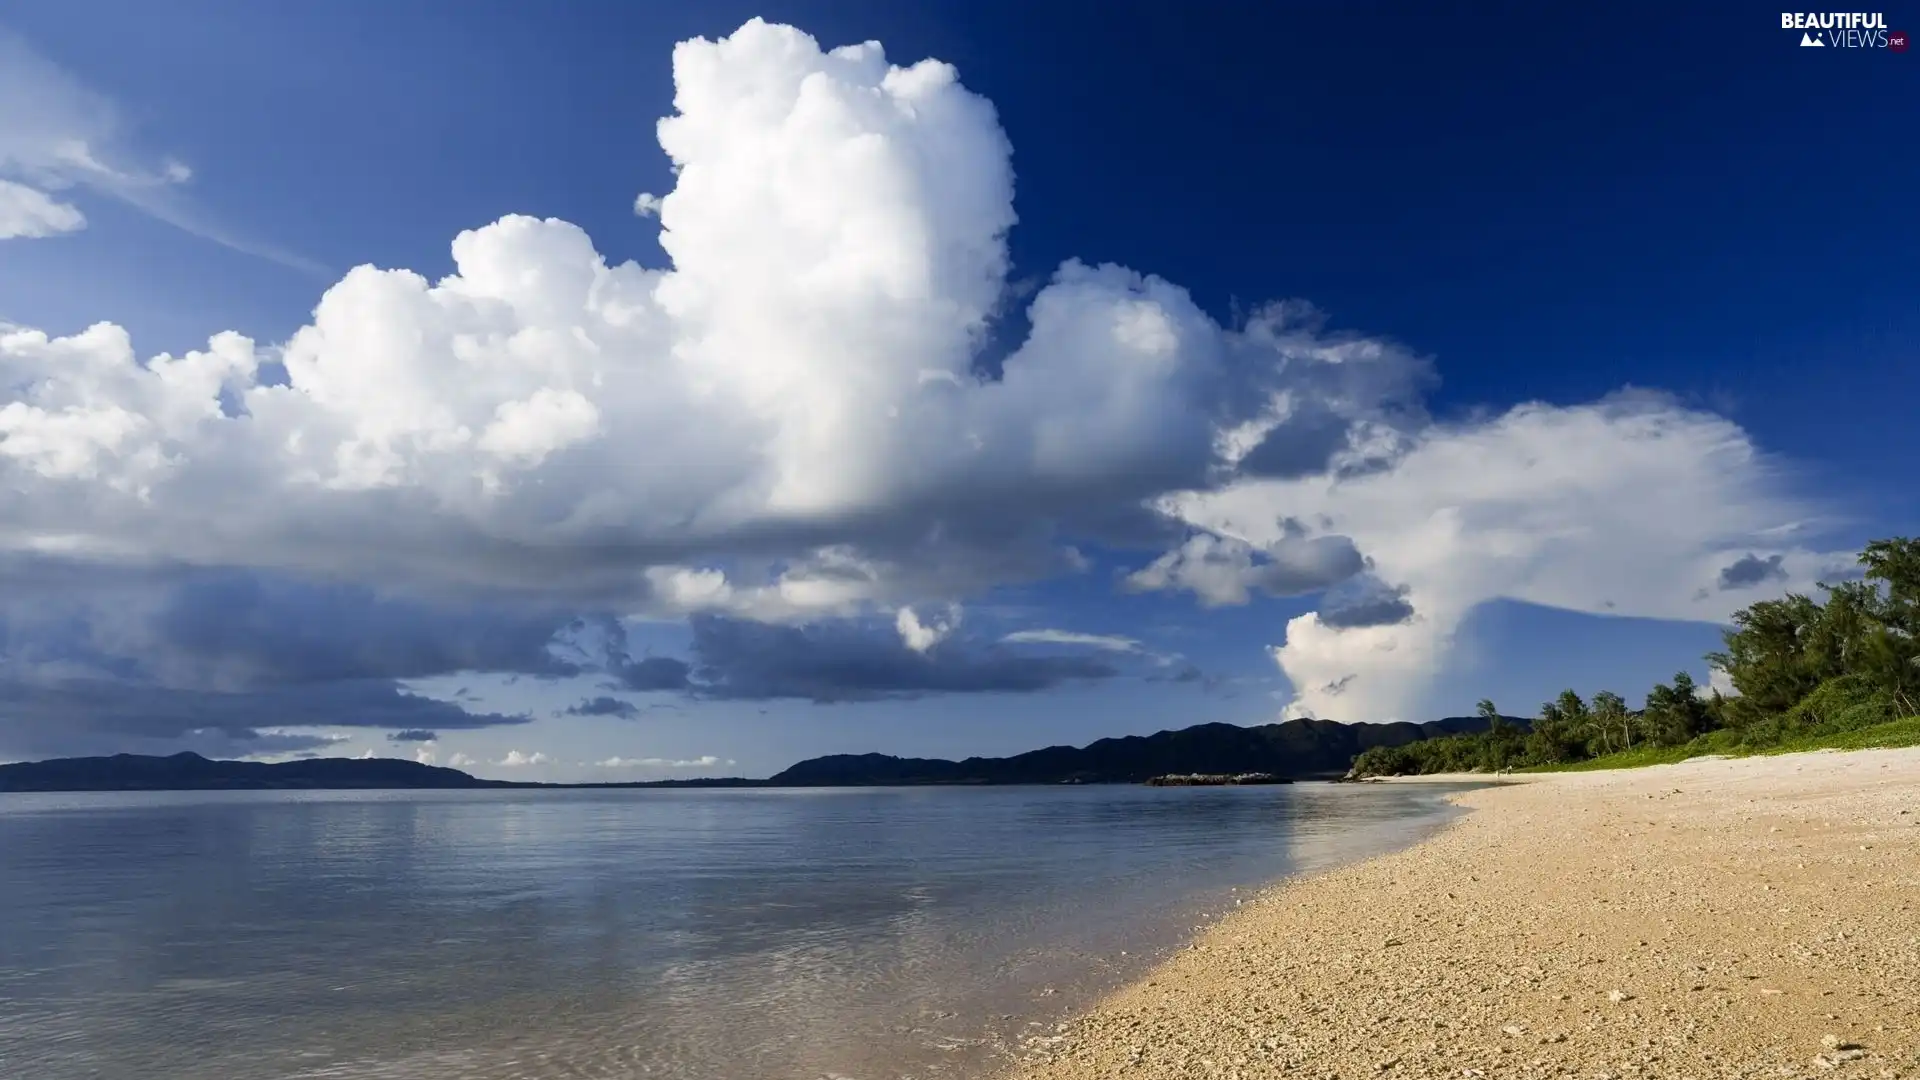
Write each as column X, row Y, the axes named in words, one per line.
column 1625, row 759
column 1878, row 737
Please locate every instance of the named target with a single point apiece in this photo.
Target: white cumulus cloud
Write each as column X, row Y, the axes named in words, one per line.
column 793, row 417
column 1630, row 506
column 799, row 379
column 515, row 760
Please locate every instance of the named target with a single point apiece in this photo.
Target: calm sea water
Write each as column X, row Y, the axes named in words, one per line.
column 688, row 935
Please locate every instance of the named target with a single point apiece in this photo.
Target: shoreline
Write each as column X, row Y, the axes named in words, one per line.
column 1715, row 918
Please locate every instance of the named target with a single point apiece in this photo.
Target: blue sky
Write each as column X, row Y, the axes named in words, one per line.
column 1614, row 335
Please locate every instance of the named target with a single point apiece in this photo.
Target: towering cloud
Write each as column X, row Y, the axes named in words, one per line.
column 794, row 419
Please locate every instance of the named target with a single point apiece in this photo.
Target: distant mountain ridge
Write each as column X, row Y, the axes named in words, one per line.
column 1295, row 749
column 191, row 772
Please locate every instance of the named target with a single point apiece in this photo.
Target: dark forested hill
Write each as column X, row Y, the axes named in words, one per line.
column 191, row 772
column 1298, row 749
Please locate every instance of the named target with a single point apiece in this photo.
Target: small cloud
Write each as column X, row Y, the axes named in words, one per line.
column 1365, row 601
column 515, row 759
column 605, row 706
column 365, row 755
column 425, row 756
column 1751, row 570
column 461, row 761
column 1048, row 636
column 279, row 741
column 413, row 735
column 921, row 636
column 29, row 213
column 1222, row 571
column 1109, row 643
column 705, row 761
column 647, row 204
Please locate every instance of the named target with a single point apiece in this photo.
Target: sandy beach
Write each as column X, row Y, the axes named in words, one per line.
column 1745, row 918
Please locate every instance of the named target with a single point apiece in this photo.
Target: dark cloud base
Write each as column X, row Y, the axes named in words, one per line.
column 1365, row 601
column 839, row 662
column 605, row 706
column 98, row 716
column 1751, row 570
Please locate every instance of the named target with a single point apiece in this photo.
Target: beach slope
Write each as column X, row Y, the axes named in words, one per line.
column 1758, row 917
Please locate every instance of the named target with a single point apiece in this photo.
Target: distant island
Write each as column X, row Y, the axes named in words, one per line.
column 1295, row 749
column 191, row 772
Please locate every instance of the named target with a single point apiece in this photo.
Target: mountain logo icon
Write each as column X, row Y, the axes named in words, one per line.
column 1809, row 41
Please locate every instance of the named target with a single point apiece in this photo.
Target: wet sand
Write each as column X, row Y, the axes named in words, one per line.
column 1746, row 918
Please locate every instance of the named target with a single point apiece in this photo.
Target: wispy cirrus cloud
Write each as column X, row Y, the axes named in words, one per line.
column 1049, row 636
column 704, row 761
column 59, row 135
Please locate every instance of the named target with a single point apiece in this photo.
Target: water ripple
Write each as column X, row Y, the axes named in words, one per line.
column 689, row 935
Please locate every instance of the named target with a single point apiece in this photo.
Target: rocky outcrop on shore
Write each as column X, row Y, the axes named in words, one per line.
column 1215, row 779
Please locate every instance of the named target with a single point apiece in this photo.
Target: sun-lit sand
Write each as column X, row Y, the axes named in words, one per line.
column 1745, row 918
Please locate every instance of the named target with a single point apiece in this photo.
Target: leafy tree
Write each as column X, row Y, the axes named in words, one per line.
column 1609, row 714
column 1552, row 742
column 1571, row 710
column 1796, row 664
column 1767, row 659
column 1895, row 565
column 1676, row 713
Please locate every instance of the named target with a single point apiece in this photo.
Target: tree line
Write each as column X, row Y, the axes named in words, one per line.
column 1799, row 667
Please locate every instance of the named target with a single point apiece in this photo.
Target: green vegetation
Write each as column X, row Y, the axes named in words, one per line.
column 1880, row 736
column 1625, row 759
column 1807, row 674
